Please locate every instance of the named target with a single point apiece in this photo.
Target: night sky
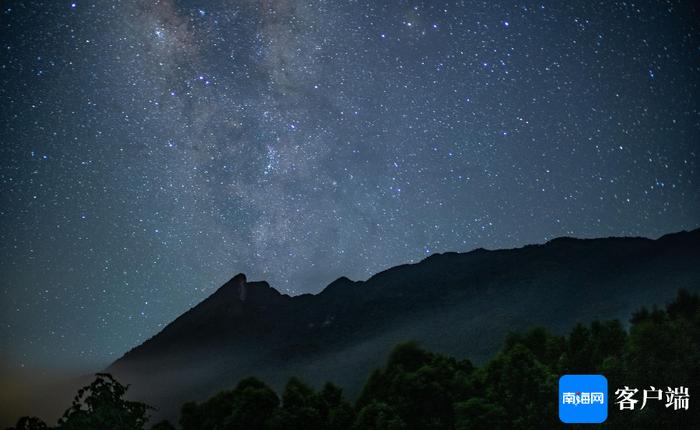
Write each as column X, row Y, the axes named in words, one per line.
column 150, row 150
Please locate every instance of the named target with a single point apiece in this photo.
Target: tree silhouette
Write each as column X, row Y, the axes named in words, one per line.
column 253, row 403
column 378, row 416
column 248, row 406
column 163, row 425
column 417, row 385
column 102, row 405
column 29, row 423
column 300, row 408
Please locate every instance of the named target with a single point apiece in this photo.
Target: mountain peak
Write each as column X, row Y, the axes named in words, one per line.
column 239, row 289
column 338, row 284
column 343, row 280
column 240, row 284
column 237, row 280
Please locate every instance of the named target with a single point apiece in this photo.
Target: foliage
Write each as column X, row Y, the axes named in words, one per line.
column 102, row 405
column 29, row 423
column 248, row 407
column 163, row 425
column 419, row 386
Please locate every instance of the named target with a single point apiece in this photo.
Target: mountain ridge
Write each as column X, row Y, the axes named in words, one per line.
column 458, row 303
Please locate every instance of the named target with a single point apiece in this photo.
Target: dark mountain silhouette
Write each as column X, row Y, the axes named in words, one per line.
column 462, row 304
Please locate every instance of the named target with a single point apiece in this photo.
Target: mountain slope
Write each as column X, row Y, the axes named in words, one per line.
column 460, row 304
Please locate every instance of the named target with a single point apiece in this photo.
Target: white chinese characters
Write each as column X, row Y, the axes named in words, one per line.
column 679, row 397
column 581, row 398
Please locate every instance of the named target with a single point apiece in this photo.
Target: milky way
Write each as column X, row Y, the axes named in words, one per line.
column 150, row 150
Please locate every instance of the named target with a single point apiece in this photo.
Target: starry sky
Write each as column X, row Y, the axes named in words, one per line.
column 150, row 150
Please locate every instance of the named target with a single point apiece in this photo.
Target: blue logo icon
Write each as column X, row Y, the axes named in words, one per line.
column 583, row 399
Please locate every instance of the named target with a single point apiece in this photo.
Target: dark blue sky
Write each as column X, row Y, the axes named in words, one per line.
column 150, row 150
